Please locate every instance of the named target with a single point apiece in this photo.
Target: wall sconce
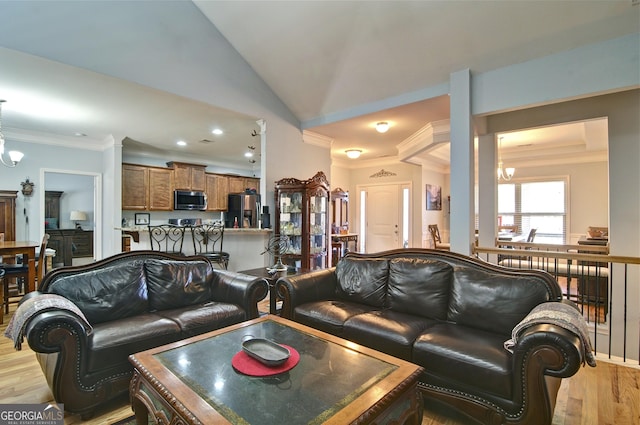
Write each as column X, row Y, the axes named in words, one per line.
column 353, row 153
column 382, row 127
column 78, row 216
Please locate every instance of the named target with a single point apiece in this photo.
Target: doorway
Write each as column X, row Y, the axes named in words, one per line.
column 76, row 242
column 385, row 216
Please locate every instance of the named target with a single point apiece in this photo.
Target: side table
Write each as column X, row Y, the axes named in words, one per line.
column 271, row 279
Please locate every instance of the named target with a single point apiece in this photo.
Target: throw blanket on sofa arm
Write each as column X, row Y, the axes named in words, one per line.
column 560, row 314
column 32, row 306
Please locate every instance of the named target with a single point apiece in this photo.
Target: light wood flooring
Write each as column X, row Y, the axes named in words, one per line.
column 606, row 394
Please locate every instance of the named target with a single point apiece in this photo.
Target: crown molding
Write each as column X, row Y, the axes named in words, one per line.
column 316, row 139
column 428, row 137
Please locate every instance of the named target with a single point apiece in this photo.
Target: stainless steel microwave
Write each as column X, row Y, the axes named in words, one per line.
column 186, row 200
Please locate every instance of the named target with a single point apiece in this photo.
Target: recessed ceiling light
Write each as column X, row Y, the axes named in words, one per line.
column 248, row 154
column 181, row 143
column 78, row 134
column 216, row 131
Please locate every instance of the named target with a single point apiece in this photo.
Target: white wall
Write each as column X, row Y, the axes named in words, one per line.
column 37, row 157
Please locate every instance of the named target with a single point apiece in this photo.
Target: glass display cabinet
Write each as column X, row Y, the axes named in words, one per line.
column 302, row 208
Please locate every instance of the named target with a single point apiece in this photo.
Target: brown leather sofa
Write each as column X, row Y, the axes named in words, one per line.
column 450, row 314
column 132, row 302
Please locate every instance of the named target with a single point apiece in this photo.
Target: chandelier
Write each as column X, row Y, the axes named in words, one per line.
column 503, row 173
column 14, row 156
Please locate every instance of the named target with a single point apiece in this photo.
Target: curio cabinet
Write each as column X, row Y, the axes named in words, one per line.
column 302, row 208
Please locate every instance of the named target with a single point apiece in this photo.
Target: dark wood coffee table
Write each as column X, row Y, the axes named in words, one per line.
column 335, row 382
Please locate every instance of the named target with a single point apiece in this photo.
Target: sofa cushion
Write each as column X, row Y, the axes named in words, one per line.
column 113, row 342
column 491, row 301
column 174, row 283
column 363, row 280
column 328, row 316
column 387, row 331
column 465, row 359
column 419, row 286
column 198, row 319
column 106, row 294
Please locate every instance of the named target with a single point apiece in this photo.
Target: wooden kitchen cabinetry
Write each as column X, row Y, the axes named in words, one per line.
column 188, row 176
column 161, row 189
column 147, row 188
column 135, row 187
column 217, row 188
column 238, row 184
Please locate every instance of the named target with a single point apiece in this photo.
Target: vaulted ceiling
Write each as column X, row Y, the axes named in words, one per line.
column 336, row 65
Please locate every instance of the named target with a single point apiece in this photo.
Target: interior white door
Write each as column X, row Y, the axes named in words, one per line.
column 383, row 218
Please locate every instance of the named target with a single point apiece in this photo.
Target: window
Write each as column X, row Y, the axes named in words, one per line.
column 540, row 205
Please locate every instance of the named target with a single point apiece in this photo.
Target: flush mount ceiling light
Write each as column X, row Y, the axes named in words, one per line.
column 503, row 173
column 382, row 127
column 353, row 153
column 14, row 156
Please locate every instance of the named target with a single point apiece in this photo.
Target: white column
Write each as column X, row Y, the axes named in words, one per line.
column 487, row 190
column 462, row 163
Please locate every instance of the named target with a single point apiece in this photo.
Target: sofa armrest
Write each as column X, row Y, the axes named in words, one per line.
column 557, row 351
column 543, row 355
column 52, row 330
column 241, row 289
column 300, row 289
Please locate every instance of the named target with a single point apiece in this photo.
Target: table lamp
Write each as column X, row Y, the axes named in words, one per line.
column 78, row 216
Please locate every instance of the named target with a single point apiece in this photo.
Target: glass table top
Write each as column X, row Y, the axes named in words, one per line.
column 327, row 378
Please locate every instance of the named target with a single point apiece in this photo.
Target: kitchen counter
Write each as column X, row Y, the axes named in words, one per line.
column 245, row 246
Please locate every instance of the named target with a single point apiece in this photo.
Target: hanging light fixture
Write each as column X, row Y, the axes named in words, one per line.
column 353, row 153
column 503, row 173
column 14, row 156
column 382, row 127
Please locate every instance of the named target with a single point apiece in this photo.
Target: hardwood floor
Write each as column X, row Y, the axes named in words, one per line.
column 606, row 394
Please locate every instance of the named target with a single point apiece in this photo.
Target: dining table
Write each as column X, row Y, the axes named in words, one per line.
column 28, row 251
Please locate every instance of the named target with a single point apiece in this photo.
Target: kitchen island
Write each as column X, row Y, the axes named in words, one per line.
column 245, row 246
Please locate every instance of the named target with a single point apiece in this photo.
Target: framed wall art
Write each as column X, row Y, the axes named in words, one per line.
column 142, row 219
column 434, row 197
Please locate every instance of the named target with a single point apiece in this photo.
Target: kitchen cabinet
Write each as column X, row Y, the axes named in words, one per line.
column 302, row 208
column 135, row 187
column 188, row 176
column 147, row 188
column 217, row 188
column 160, row 189
column 238, row 184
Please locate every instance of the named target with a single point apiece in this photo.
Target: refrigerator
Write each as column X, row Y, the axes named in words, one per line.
column 243, row 210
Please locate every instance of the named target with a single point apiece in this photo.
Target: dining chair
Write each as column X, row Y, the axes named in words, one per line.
column 532, row 235
column 207, row 241
column 19, row 273
column 437, row 240
column 167, row 238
